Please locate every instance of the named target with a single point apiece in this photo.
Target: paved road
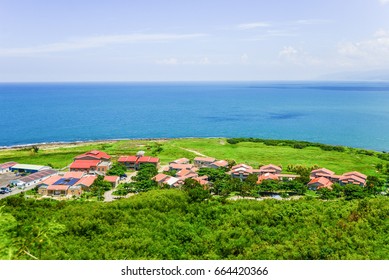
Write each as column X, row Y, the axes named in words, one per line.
column 17, row 191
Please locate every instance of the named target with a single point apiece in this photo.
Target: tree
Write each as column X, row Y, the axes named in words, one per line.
column 146, row 172
column 249, row 185
column 326, row 194
column 214, row 174
column 352, row 191
column 117, row 169
column 100, row 186
column 195, row 191
column 374, row 184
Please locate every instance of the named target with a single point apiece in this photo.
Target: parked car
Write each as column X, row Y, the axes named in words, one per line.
column 5, row 190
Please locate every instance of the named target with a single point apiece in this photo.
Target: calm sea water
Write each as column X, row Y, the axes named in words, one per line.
column 352, row 114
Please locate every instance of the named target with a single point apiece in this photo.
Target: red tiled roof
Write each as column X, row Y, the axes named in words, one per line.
column 267, row 176
column 96, row 154
column 7, row 165
column 148, row 159
column 352, row 179
column 205, row 159
column 84, row 164
column 51, row 180
column 201, row 181
column 323, row 170
column 321, row 180
column 74, row 174
column 270, row 166
column 111, row 179
column 185, row 173
column 38, row 175
column 127, row 159
column 160, row 177
column 220, row 163
column 87, row 180
column 355, row 173
column 241, row 165
column 135, row 159
column 180, row 161
column 58, row 188
column 180, row 166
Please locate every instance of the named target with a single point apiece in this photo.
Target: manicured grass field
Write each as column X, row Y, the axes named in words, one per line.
column 244, row 152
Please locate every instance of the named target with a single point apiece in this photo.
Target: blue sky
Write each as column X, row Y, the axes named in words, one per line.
column 155, row 40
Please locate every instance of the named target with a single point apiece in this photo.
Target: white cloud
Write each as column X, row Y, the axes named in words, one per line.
column 313, row 21
column 370, row 52
column 244, row 58
column 252, row 25
column 295, row 56
column 168, row 61
column 384, row 1
column 204, row 60
column 288, row 53
column 97, row 42
column 175, row 61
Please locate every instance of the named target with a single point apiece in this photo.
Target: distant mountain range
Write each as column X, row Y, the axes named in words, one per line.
column 368, row 75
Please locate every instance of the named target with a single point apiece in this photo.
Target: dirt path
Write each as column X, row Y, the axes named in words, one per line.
column 108, row 194
column 193, row 151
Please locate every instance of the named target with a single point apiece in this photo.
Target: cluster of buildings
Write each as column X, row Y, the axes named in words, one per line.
column 325, row 178
column 265, row 172
column 135, row 162
column 84, row 169
column 183, row 170
column 320, row 178
column 94, row 161
column 72, row 183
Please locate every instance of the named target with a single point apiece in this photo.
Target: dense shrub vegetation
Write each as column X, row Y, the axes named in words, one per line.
column 291, row 143
column 168, row 224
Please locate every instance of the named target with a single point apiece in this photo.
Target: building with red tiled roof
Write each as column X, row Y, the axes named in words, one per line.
column 185, row 174
column 92, row 162
column 134, row 162
column 87, row 181
column 267, row 176
column 93, row 155
column 179, row 166
column 163, row 179
column 326, row 173
column 353, row 177
column 74, row 174
column 270, row 168
column 241, row 171
column 180, row 161
column 84, row 165
column 114, row 180
column 203, row 180
column 320, row 182
column 219, row 164
column 203, row 161
column 66, row 185
column 6, row 167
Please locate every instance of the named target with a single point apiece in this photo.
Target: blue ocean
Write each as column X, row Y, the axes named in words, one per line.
column 350, row 114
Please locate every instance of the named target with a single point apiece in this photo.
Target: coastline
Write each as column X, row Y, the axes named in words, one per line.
column 70, row 144
column 63, row 144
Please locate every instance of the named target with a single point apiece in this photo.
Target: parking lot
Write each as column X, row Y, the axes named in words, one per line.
column 6, row 177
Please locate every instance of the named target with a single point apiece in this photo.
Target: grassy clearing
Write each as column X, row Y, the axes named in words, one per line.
column 245, row 152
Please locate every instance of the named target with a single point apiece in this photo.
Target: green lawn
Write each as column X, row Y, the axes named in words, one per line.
column 244, row 152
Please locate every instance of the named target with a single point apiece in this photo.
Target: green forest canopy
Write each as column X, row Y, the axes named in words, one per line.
column 164, row 224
